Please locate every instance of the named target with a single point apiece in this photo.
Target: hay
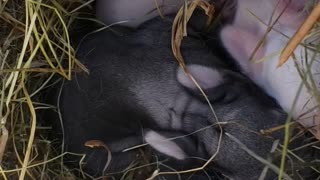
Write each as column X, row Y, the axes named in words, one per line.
column 35, row 46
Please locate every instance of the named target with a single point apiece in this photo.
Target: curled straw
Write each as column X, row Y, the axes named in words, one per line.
column 299, row 35
column 100, row 144
column 179, row 30
column 179, row 27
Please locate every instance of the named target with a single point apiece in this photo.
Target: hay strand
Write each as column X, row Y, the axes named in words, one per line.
column 300, row 35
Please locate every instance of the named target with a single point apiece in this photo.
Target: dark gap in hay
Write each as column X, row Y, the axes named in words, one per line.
column 18, row 121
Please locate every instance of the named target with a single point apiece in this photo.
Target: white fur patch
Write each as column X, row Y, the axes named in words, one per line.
column 205, row 76
column 134, row 12
column 161, row 144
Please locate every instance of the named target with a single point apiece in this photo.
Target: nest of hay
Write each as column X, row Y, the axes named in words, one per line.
column 35, row 46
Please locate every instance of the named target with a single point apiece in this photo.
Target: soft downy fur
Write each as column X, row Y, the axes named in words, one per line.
column 132, row 13
column 249, row 27
column 137, row 93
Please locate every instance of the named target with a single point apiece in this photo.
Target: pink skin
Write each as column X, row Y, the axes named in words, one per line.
column 241, row 38
column 134, row 12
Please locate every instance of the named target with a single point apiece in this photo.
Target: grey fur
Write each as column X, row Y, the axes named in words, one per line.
column 133, row 88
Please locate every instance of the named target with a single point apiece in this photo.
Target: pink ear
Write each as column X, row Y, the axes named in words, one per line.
column 205, row 76
column 165, row 146
column 241, row 43
column 293, row 6
column 294, row 14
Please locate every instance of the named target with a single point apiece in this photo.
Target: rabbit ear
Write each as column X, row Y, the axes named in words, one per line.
column 163, row 145
column 292, row 12
column 174, row 144
column 241, row 43
column 205, row 76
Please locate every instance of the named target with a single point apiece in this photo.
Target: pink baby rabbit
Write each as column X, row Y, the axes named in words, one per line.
column 134, row 12
column 253, row 18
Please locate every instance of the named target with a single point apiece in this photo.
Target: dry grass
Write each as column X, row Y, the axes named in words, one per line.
column 35, row 46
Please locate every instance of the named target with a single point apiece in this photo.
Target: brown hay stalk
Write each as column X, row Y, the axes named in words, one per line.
column 300, row 35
